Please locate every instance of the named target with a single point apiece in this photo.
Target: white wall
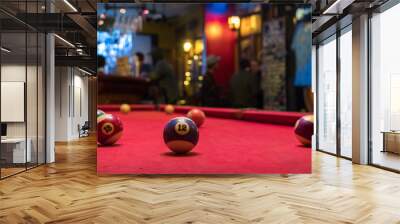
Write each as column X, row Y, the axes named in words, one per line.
column 15, row 72
column 61, row 104
column 71, row 94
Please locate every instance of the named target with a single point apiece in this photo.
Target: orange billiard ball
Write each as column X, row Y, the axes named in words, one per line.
column 125, row 108
column 197, row 116
column 169, row 109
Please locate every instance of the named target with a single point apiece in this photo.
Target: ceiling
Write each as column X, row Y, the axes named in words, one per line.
column 73, row 20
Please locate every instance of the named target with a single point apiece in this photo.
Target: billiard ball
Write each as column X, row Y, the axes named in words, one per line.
column 197, row 116
column 109, row 129
column 169, row 109
column 181, row 135
column 125, row 108
column 304, row 129
column 100, row 113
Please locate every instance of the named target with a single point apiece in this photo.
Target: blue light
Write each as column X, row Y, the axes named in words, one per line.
column 217, row 8
column 113, row 46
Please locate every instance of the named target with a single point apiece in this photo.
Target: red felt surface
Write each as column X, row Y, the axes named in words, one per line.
column 263, row 116
column 225, row 147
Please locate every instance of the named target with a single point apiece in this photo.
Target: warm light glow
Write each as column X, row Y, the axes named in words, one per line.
column 214, row 30
column 201, row 78
column 101, row 22
column 189, row 62
column 234, row 22
column 186, row 83
column 250, row 25
column 196, row 57
column 102, row 16
column 122, row 11
column 146, row 12
column 187, row 74
column 198, row 46
column 187, row 46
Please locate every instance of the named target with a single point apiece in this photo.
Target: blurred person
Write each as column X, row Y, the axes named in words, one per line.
column 256, row 72
column 243, row 86
column 210, row 92
column 301, row 45
column 101, row 63
column 142, row 69
column 165, row 83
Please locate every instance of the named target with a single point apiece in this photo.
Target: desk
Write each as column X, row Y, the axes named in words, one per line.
column 13, row 150
column 391, row 141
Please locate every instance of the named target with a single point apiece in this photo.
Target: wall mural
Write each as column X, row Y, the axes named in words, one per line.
column 274, row 56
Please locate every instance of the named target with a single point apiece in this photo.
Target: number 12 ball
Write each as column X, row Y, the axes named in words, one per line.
column 181, row 135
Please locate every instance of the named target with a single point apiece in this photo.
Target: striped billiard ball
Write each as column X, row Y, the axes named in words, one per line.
column 109, row 129
column 181, row 135
column 100, row 113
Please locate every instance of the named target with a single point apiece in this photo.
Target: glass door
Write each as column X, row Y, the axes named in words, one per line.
column 385, row 89
column 326, row 96
column 345, row 93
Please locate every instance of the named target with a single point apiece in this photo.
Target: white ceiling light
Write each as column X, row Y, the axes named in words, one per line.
column 65, row 41
column 5, row 50
column 86, row 72
column 338, row 6
column 70, row 5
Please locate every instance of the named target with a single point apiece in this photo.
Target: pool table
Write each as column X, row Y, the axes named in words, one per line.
column 231, row 141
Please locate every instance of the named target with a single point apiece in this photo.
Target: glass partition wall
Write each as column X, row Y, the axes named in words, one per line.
column 22, row 77
column 334, row 94
column 385, row 89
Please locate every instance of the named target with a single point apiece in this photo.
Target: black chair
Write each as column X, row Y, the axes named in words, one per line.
column 84, row 130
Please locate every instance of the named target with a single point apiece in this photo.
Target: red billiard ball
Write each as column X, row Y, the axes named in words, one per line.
column 181, row 135
column 304, row 129
column 197, row 116
column 109, row 129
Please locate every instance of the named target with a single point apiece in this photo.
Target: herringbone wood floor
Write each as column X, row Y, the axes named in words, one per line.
column 69, row 191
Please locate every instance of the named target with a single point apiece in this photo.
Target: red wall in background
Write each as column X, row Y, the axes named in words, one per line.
column 220, row 41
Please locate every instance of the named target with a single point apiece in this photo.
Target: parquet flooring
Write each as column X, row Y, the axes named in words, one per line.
column 70, row 191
